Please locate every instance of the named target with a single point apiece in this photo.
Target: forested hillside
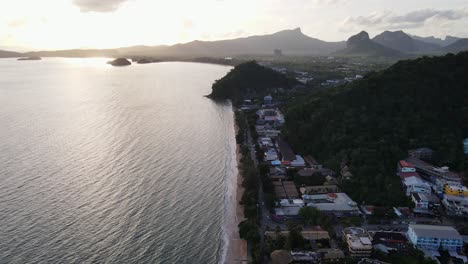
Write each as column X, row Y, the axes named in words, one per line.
column 249, row 78
column 370, row 124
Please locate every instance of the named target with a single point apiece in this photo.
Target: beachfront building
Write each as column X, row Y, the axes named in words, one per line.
column 358, row 241
column 431, row 237
column 338, row 204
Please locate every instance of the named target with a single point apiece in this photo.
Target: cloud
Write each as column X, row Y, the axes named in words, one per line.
column 414, row 19
column 98, row 5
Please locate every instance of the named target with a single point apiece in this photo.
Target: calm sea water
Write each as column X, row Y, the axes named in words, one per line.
column 100, row 164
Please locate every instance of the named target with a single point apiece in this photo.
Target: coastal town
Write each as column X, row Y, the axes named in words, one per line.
column 304, row 216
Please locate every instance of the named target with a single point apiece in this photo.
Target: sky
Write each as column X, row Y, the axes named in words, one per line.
column 65, row 24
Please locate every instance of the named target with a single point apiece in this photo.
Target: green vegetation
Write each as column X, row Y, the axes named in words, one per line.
column 370, row 124
column 249, row 228
column 249, row 79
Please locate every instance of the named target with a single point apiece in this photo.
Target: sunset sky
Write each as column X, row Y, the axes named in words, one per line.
column 64, row 24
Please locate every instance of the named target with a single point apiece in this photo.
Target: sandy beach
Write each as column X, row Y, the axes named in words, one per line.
column 237, row 247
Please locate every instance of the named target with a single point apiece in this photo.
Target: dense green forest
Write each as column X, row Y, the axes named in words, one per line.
column 249, row 79
column 371, row 123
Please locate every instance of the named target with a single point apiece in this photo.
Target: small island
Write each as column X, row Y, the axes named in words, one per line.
column 30, row 58
column 119, row 62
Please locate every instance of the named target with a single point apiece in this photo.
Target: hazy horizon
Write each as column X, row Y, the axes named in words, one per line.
column 101, row 24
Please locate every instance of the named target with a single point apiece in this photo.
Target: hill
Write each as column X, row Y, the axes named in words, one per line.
column 437, row 41
column 399, row 40
column 457, row 46
column 249, row 78
column 291, row 42
column 371, row 123
column 9, row 54
column 360, row 45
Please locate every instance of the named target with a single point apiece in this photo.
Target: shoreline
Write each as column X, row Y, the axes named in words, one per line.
column 237, row 247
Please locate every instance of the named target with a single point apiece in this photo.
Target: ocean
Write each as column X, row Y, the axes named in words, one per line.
column 102, row 164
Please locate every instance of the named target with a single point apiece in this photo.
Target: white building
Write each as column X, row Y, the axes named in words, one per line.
column 289, row 207
column 298, row 162
column 416, row 185
column 359, row 242
column 337, row 203
column 421, row 202
column 271, row 155
column 431, row 237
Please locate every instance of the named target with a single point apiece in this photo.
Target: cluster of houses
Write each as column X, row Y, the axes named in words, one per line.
column 430, row 186
column 301, row 181
column 281, row 158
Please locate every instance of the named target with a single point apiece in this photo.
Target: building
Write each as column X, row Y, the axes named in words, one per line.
column 306, row 257
column 465, row 145
column 415, row 185
column 421, row 203
column 458, row 190
column 298, row 162
column 265, row 143
column 287, row 153
column 306, row 234
column 319, row 189
column 286, row 190
column 387, row 241
column 421, row 153
column 338, row 204
column 358, row 242
column 289, row 207
column 331, row 254
column 432, row 172
column 404, row 166
column 290, row 189
column 277, row 173
column 456, row 205
column 308, row 172
column 271, row 116
column 371, row 261
column 270, row 155
column 431, row 237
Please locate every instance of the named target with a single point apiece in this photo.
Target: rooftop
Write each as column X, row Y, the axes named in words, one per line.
column 405, row 164
column 286, row 152
column 441, row 232
column 331, row 202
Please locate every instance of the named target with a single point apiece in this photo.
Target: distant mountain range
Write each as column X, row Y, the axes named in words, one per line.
column 290, row 42
column 361, row 45
column 9, row 54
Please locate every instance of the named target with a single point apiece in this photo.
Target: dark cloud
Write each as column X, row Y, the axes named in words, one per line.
column 389, row 20
column 98, row 5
